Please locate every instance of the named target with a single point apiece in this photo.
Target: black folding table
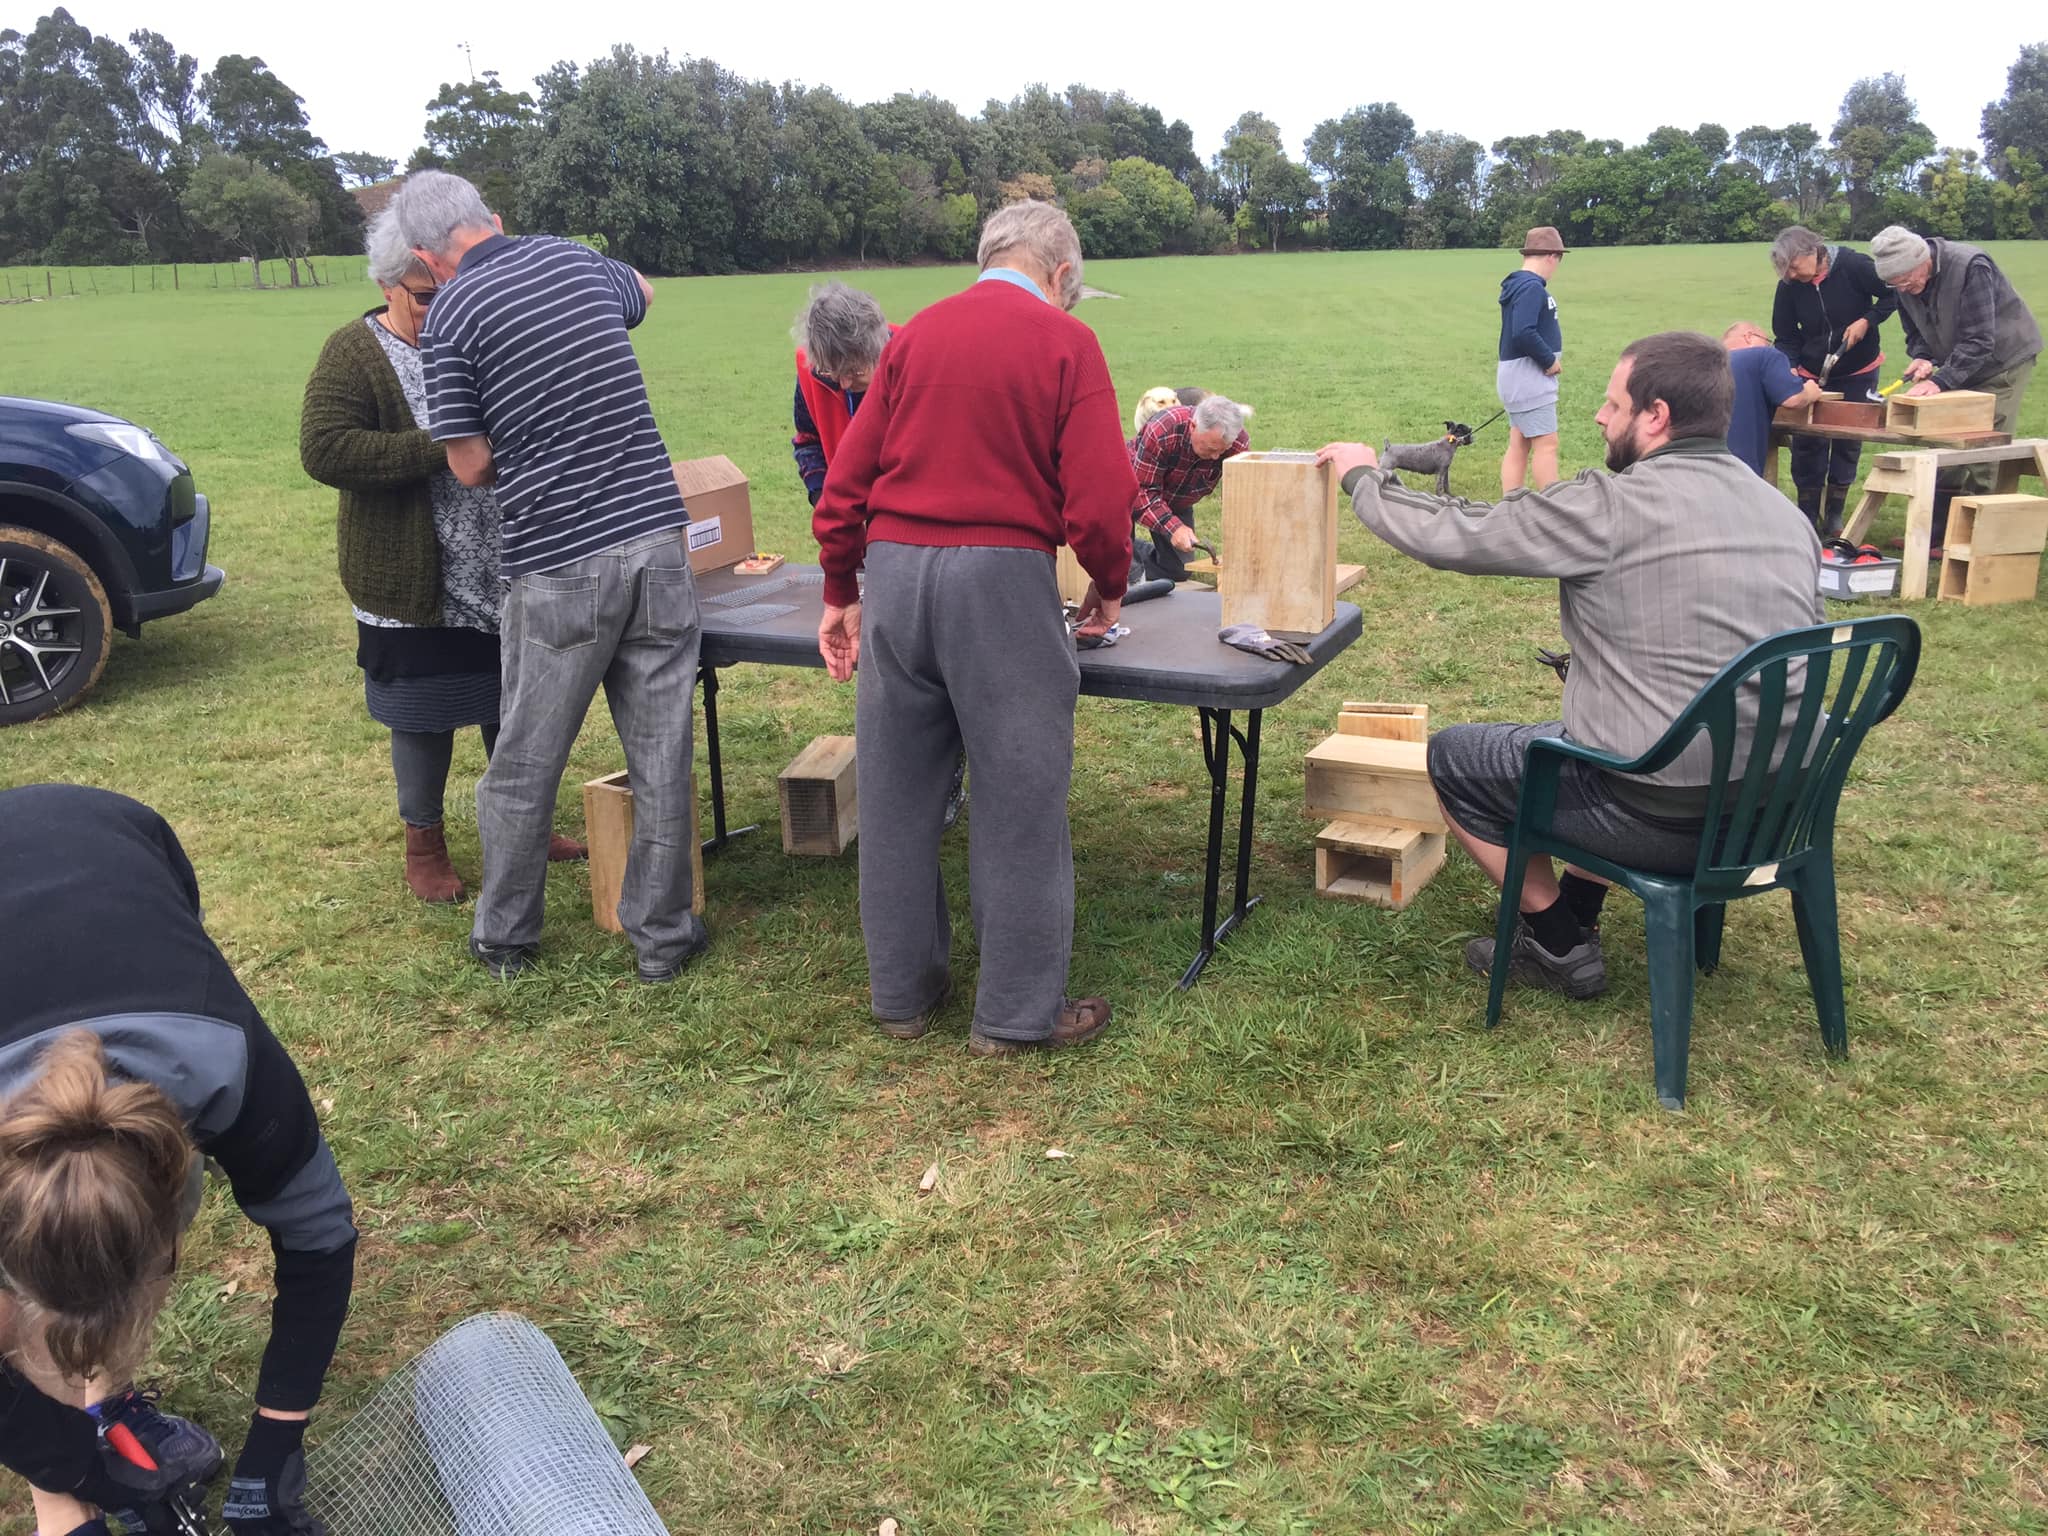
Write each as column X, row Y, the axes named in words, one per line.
column 1171, row 656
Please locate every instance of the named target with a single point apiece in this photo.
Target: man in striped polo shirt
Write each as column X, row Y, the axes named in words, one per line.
column 533, row 385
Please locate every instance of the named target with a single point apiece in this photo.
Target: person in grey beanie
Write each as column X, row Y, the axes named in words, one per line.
column 1966, row 328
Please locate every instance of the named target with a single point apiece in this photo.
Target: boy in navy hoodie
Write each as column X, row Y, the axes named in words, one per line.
column 1531, row 357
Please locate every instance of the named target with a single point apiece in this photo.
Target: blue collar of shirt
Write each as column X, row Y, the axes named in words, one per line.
column 483, row 251
column 1015, row 278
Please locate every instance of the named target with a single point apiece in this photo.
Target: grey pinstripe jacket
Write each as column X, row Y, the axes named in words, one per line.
column 1665, row 573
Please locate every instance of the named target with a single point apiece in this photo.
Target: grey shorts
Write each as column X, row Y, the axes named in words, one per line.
column 1476, row 771
column 1529, row 394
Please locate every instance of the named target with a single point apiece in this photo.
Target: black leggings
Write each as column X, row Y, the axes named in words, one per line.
column 419, row 761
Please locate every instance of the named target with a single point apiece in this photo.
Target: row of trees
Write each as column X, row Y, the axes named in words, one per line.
column 112, row 152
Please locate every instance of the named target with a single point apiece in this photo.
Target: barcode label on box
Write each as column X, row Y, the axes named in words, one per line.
column 704, row 532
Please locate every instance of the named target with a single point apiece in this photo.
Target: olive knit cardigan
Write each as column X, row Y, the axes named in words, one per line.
column 357, row 433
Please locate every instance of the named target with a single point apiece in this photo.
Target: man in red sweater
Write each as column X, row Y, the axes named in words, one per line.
column 988, row 438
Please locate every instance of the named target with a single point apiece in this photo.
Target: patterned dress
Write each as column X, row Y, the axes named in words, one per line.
column 439, row 677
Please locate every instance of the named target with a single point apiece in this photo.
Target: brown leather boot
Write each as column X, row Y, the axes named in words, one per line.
column 1081, row 1018
column 427, row 870
column 565, row 850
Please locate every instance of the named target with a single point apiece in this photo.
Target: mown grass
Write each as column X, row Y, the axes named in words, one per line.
column 1323, row 1255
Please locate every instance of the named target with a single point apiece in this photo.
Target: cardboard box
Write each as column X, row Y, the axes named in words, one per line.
column 721, row 531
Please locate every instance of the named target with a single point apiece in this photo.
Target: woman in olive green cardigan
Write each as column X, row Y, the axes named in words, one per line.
column 418, row 554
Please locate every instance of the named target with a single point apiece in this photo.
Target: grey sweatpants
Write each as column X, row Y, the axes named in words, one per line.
column 966, row 647
column 626, row 618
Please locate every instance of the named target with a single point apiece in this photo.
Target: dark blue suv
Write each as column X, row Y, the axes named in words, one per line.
column 100, row 529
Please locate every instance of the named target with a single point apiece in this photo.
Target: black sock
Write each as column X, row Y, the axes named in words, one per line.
column 1555, row 927
column 1585, row 897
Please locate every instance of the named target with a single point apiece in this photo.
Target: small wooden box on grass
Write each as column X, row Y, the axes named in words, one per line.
column 608, row 827
column 1369, row 779
column 1389, row 722
column 1279, row 543
column 1992, row 552
column 1376, row 862
column 1942, row 415
column 820, row 802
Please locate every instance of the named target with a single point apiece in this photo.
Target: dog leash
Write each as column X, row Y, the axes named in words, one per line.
column 1496, row 416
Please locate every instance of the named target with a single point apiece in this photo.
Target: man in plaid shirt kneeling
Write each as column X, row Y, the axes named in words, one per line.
column 1178, row 459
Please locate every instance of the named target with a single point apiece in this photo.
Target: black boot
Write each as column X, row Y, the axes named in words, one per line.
column 1837, row 507
column 1809, row 503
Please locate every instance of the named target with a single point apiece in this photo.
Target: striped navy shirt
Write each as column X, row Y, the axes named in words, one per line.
column 527, row 346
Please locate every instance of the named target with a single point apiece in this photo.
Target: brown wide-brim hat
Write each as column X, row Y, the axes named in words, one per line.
column 1543, row 240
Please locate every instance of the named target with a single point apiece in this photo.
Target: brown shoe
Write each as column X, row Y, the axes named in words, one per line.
column 1081, row 1018
column 918, row 1024
column 427, row 870
column 565, row 850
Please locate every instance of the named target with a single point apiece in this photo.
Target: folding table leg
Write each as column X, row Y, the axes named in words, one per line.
column 1217, row 733
column 720, row 834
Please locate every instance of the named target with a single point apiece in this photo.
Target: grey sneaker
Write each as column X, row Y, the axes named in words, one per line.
column 1579, row 974
column 956, row 792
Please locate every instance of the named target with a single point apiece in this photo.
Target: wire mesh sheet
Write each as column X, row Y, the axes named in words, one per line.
column 484, row 1433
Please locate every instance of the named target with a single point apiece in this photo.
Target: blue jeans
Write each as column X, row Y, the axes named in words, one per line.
column 626, row 618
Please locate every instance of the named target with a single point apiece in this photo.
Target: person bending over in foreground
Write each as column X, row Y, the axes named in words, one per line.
column 1764, row 382
column 129, row 1058
column 989, row 438
column 1667, row 567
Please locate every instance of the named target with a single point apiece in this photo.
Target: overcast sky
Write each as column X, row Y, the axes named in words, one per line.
column 1483, row 69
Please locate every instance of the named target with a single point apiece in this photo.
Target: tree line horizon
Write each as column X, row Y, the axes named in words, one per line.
column 127, row 153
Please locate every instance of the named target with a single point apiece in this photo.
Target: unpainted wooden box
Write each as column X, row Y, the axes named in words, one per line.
column 1066, row 570
column 1951, row 411
column 608, row 829
column 1389, row 722
column 1367, row 779
column 1376, row 862
column 1993, row 549
column 1280, row 543
column 820, row 801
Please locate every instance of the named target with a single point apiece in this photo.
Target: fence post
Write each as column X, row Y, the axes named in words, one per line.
column 49, row 283
column 174, row 275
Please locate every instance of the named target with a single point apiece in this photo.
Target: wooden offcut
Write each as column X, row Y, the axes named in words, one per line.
column 820, row 806
column 608, row 830
column 1953, row 410
column 1367, row 779
column 1280, row 535
column 1389, row 722
column 1993, row 549
column 1376, row 862
column 1066, row 570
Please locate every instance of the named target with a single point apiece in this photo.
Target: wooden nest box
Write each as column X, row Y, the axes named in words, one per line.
column 820, row 802
column 608, row 825
column 1993, row 549
column 1279, row 543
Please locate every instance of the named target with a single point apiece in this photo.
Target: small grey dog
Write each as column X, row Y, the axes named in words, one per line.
column 1432, row 458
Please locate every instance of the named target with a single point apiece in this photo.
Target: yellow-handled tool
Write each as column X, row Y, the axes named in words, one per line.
column 1892, row 388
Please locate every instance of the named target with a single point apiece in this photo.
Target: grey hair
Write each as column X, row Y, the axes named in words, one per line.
column 433, row 205
column 391, row 259
column 1039, row 232
column 840, row 328
column 1217, row 414
column 1794, row 244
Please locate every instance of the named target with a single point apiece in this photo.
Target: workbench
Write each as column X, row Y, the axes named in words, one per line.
column 1910, row 471
column 1171, row 656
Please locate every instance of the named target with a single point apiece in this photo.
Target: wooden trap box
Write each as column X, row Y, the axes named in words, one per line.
column 1280, row 543
column 608, row 826
column 1993, row 549
column 1389, row 722
column 820, row 802
column 1368, row 779
column 1942, row 415
column 1376, row 862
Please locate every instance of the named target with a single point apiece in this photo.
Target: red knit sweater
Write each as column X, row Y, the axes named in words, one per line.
column 991, row 422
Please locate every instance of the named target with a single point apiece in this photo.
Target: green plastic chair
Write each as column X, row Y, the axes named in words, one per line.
column 1773, row 832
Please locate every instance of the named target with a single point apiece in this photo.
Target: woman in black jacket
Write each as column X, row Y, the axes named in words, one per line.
column 130, row 1057
column 1830, row 303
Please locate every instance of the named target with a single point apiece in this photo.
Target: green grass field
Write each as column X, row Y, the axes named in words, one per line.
column 1324, row 1256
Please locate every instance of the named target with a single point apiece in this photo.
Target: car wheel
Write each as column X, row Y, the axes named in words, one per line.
column 55, row 626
